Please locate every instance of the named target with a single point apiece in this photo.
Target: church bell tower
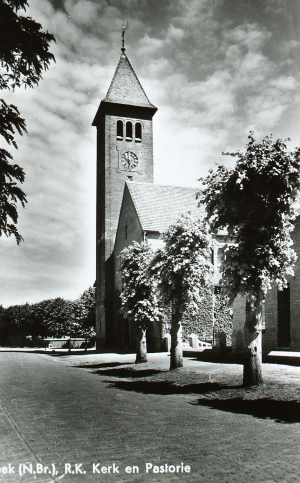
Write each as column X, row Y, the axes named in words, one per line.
column 124, row 153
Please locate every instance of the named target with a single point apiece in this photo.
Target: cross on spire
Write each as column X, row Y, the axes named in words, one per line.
column 124, row 28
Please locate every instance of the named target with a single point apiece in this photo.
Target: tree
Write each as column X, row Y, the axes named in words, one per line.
column 24, row 54
column 15, row 324
column 55, row 317
column 254, row 201
column 84, row 310
column 138, row 294
column 183, row 269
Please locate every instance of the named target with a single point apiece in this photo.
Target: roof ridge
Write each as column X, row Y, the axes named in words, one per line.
column 164, row 185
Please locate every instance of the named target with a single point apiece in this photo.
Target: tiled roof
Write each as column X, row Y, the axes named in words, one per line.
column 125, row 88
column 158, row 206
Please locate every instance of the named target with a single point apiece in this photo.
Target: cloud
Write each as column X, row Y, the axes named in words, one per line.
column 83, row 12
column 174, row 35
column 213, row 68
column 278, row 7
column 150, row 46
column 250, row 37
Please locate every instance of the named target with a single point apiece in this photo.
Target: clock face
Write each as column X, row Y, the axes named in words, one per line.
column 129, row 160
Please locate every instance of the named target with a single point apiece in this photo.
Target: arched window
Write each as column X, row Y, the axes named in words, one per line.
column 138, row 132
column 120, row 130
column 128, row 131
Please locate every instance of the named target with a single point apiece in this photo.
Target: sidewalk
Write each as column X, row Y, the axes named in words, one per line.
column 210, row 379
column 101, row 410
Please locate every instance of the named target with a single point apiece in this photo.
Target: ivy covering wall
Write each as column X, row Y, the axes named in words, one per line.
column 212, row 315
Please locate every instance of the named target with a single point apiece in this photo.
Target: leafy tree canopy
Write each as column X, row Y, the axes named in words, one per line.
column 254, row 201
column 138, row 295
column 24, row 54
column 24, row 47
column 183, row 269
column 183, row 265
column 84, row 309
column 10, row 193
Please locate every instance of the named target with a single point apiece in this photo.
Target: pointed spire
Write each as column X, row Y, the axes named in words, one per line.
column 125, row 87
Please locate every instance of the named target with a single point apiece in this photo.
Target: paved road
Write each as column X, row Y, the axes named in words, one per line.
column 85, row 428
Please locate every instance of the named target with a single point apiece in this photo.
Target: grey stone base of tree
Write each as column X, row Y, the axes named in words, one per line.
column 141, row 346
column 176, row 343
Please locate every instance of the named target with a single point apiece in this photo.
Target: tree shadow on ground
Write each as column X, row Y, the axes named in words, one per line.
column 66, row 353
column 167, row 387
column 104, row 364
column 128, row 372
column 263, row 408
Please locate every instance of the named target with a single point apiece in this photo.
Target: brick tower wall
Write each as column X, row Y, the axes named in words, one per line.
column 116, row 175
column 111, row 177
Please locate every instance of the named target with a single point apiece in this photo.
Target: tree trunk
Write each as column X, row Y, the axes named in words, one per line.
column 176, row 342
column 253, row 342
column 141, row 345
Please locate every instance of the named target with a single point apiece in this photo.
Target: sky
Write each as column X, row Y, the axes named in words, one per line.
column 216, row 69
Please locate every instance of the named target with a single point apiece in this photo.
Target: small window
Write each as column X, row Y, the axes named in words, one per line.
column 128, row 131
column 119, row 130
column 138, row 132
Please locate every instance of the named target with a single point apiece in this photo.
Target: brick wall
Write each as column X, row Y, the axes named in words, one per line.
column 111, row 177
column 270, row 333
column 116, row 174
column 295, row 293
column 100, row 237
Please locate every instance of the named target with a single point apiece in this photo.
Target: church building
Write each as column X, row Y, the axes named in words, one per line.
column 130, row 207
